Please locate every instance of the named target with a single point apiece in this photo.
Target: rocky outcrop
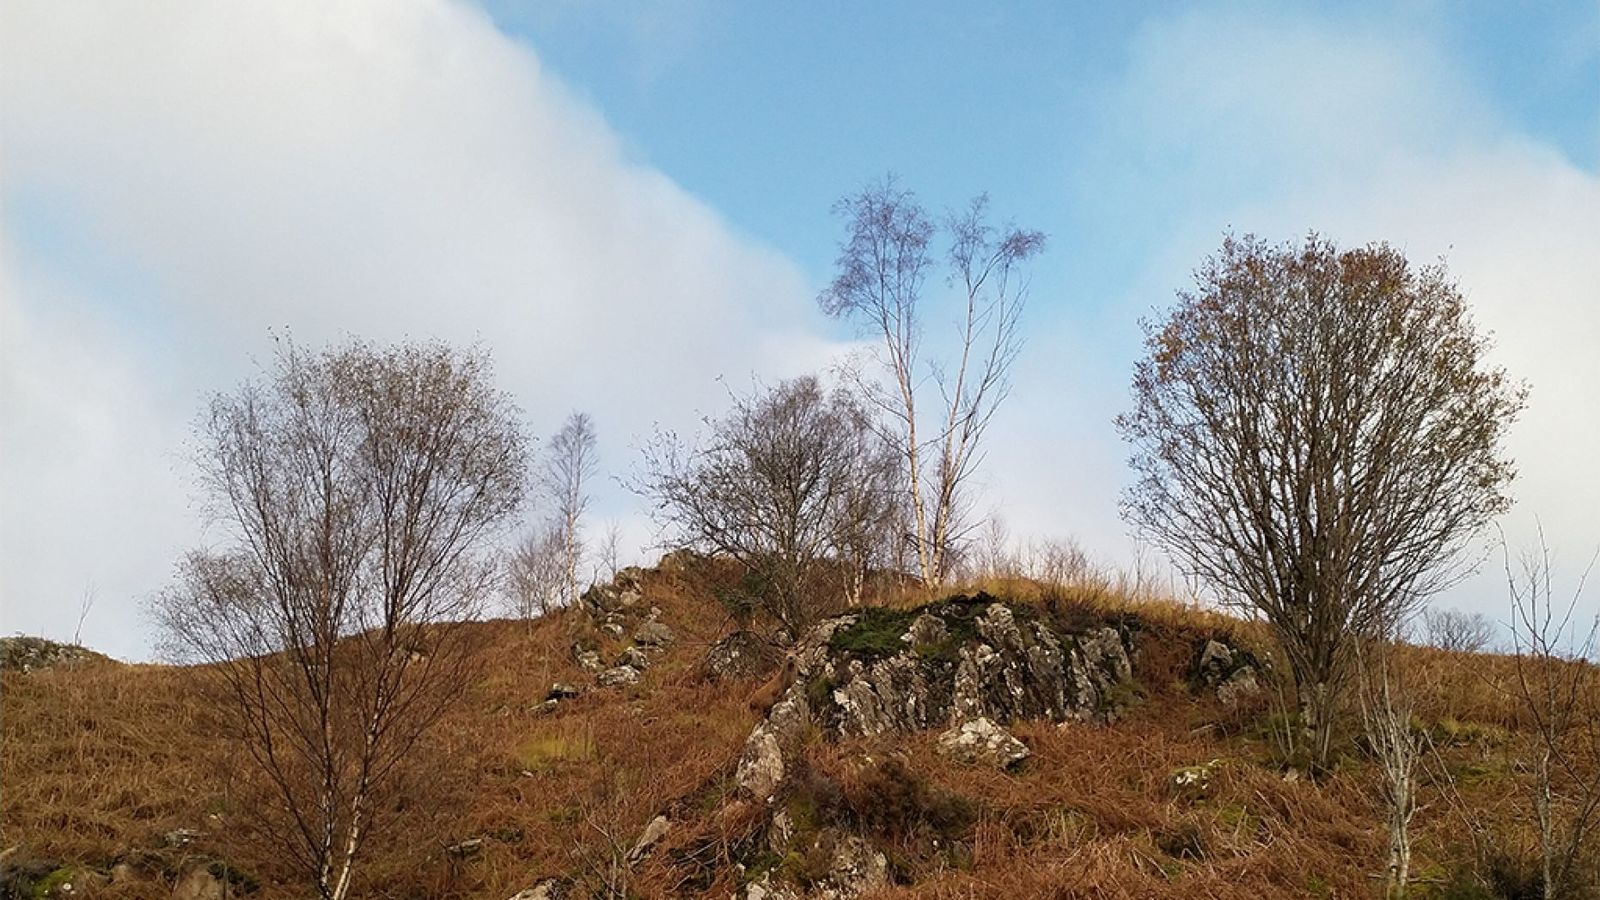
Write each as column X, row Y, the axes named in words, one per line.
column 25, row 654
column 881, row 671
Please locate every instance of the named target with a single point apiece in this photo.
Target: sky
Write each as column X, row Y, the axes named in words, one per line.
column 628, row 205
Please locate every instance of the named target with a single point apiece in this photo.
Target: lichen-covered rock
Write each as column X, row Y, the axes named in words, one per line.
column 653, row 634
column 588, row 658
column 767, row 889
column 858, row 868
column 1193, row 783
column 982, row 742
column 1228, row 671
column 742, row 654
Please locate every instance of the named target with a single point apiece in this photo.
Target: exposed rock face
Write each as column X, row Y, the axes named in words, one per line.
column 880, row 671
column 982, row 742
column 742, row 654
column 1231, row 672
column 761, row 765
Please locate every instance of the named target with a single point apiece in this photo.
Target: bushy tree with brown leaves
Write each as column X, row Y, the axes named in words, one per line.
column 1317, row 436
column 358, row 489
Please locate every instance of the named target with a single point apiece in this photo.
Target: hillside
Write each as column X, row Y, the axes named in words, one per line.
column 1140, row 778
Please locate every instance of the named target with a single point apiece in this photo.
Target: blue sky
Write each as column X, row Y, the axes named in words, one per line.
column 768, row 111
column 628, row 203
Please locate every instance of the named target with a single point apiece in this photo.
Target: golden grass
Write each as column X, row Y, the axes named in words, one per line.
column 100, row 760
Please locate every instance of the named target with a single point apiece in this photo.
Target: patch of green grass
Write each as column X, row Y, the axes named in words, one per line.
column 875, row 633
column 1126, row 693
column 819, row 691
column 541, row 753
column 240, row 881
column 50, row 884
column 1449, row 731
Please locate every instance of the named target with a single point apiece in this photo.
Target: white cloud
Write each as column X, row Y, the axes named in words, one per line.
column 382, row 168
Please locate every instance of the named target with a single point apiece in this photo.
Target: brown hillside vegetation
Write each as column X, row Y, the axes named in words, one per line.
column 106, row 766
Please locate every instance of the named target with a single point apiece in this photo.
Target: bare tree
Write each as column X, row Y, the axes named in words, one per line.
column 883, row 267
column 868, row 521
column 1396, row 746
column 1457, row 631
column 1557, row 686
column 1316, row 437
column 569, row 464
column 357, row 488
column 610, row 553
column 538, row 572
column 776, row 485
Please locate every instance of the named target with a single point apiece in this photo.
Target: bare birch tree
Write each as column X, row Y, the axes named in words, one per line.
column 357, row 487
column 1557, row 687
column 569, row 464
column 1316, row 437
column 883, row 268
column 1395, row 746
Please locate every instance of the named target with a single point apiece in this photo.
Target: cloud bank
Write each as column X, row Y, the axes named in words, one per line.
column 387, row 169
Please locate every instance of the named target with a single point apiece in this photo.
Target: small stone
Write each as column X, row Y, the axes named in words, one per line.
column 562, row 690
column 180, row 837
column 926, row 630
column 547, row 889
column 612, row 628
column 653, row 833
column 618, row 676
column 199, row 884
column 1238, row 686
column 653, row 634
column 1215, row 657
column 981, row 741
column 634, row 657
column 590, row 660
column 1193, row 782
